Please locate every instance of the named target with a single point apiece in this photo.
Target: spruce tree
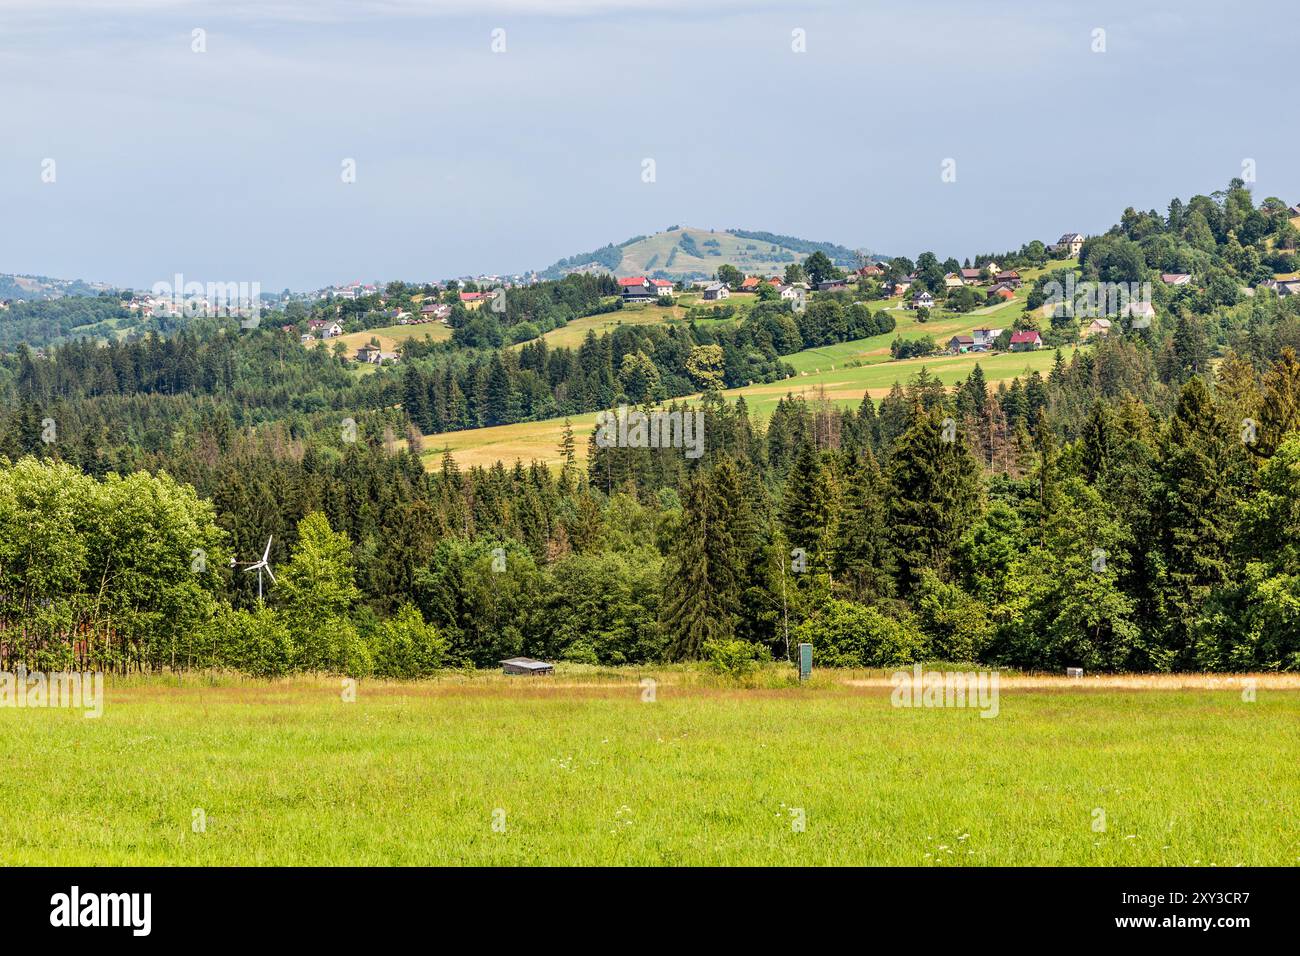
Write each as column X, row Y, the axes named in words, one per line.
column 935, row 491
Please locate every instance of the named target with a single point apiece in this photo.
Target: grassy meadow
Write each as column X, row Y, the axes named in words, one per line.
column 579, row 769
column 840, row 373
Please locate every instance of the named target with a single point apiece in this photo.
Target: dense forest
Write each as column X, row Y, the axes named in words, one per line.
column 1134, row 508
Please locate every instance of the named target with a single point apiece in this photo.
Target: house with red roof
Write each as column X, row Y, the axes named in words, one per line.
column 662, row 287
column 1026, row 341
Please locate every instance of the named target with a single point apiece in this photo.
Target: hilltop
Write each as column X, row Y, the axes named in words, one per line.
column 684, row 252
column 32, row 288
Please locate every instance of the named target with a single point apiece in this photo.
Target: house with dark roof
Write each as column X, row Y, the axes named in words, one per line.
column 1010, row 277
column 1069, row 245
column 960, row 343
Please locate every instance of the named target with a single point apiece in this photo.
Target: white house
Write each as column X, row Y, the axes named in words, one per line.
column 325, row 328
column 1070, row 244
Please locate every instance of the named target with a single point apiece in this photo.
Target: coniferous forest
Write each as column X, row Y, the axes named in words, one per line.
column 1134, row 508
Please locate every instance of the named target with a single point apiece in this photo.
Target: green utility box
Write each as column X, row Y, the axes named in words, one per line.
column 805, row 661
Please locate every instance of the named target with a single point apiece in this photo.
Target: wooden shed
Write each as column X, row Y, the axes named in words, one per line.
column 526, row 666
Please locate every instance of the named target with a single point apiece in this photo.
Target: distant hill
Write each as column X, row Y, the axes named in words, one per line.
column 38, row 288
column 683, row 252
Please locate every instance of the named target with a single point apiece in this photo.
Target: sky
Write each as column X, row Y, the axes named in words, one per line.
column 497, row 136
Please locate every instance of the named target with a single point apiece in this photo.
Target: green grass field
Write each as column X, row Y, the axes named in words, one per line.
column 840, row 373
column 578, row 769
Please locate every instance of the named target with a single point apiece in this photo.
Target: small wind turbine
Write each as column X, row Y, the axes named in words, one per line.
column 260, row 566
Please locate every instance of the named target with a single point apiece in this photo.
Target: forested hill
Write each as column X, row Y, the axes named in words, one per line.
column 36, row 288
column 684, row 252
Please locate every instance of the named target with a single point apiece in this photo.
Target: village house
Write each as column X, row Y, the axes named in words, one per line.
column 828, row 285
column 325, row 328
column 1026, row 341
column 749, row 284
column 662, row 288
column 1141, row 313
column 1288, row 287
column 1098, row 327
column 986, row 337
column 953, row 281
column 898, row 287
column 639, row 291
column 1069, row 245
column 473, row 300
column 972, row 276
column 871, row 271
column 922, row 300
column 371, row 354
column 1003, row 290
column 1175, row 278
column 1008, row 277
column 715, row 291
column 960, row 343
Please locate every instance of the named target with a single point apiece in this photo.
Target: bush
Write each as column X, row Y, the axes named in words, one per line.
column 254, row 642
column 406, row 647
column 845, row 634
column 735, row 659
column 956, row 625
column 333, row 646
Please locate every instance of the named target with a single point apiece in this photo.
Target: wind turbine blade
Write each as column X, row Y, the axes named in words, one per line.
column 270, row 574
column 267, row 553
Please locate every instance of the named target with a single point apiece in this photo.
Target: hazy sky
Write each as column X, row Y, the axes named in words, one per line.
column 226, row 165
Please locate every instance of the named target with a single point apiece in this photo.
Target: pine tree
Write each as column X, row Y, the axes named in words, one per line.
column 703, row 571
column 863, row 561
column 1194, row 517
column 808, row 507
column 934, row 492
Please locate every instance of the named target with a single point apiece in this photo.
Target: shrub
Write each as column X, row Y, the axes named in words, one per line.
column 735, row 659
column 406, row 647
column 956, row 625
column 254, row 642
column 846, row 634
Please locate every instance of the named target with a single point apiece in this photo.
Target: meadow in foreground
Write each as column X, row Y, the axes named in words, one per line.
column 580, row 769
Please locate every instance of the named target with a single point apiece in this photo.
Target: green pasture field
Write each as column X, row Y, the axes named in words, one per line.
column 840, row 373
column 580, row 769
